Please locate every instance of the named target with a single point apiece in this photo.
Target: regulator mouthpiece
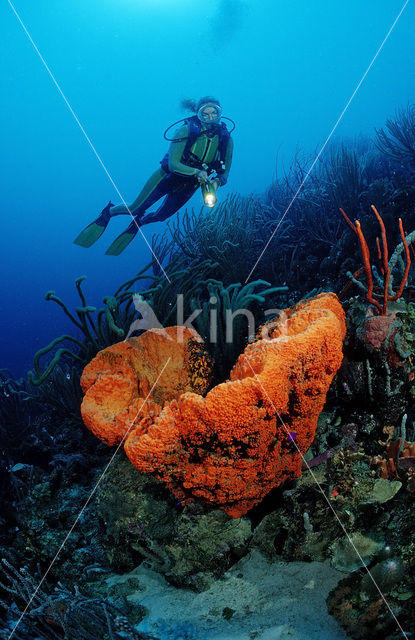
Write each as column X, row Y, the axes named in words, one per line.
column 209, row 194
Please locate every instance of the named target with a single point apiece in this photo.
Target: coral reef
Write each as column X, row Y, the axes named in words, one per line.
column 95, row 336
column 233, row 312
column 386, row 266
column 399, row 139
column 359, row 604
column 136, row 516
column 399, row 462
column 113, row 321
column 297, row 218
column 138, row 519
column 57, row 612
column 341, row 495
column 202, row 446
column 229, row 448
column 376, row 372
column 225, row 236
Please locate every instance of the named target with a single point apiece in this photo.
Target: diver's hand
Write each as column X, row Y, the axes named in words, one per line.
column 202, row 176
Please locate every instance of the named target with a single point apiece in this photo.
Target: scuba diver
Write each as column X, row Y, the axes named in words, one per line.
column 200, row 154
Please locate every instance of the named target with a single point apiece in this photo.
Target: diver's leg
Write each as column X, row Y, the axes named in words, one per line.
column 174, row 200
column 160, row 188
column 155, row 187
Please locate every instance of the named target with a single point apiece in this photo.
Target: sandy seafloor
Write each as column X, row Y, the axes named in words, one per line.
column 271, row 601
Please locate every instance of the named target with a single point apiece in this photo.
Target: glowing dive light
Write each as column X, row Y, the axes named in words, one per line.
column 209, row 194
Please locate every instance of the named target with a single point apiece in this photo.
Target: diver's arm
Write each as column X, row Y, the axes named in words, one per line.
column 223, row 177
column 175, row 154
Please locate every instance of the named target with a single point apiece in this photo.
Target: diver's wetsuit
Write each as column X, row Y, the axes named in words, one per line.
column 180, row 183
column 176, row 181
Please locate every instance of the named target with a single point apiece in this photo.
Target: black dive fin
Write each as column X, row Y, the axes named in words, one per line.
column 123, row 239
column 94, row 231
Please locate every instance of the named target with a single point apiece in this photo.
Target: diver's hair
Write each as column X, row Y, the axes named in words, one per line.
column 191, row 105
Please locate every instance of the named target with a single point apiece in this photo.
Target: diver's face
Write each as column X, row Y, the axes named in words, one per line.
column 209, row 114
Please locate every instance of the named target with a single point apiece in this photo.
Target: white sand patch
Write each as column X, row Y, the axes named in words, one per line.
column 265, row 601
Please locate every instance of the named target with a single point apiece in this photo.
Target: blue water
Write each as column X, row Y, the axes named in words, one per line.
column 284, row 71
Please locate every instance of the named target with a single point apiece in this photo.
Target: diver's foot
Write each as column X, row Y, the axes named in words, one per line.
column 124, row 238
column 105, row 215
column 94, row 231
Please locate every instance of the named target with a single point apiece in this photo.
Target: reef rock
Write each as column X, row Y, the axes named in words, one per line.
column 138, row 519
column 344, row 555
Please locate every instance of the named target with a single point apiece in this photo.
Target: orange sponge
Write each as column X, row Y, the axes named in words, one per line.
column 133, row 379
column 247, row 435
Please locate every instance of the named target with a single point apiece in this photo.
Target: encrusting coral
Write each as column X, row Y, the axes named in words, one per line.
column 247, row 435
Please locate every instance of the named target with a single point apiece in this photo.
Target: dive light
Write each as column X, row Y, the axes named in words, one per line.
column 209, row 194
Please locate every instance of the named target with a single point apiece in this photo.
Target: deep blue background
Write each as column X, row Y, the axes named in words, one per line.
column 283, row 71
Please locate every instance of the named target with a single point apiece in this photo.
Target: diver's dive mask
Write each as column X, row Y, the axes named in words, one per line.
column 209, row 113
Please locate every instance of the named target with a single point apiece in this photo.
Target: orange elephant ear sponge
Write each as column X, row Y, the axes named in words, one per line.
column 247, row 435
column 133, row 379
